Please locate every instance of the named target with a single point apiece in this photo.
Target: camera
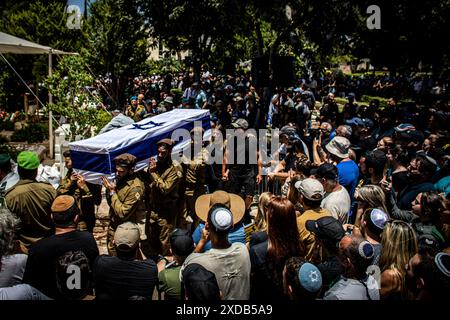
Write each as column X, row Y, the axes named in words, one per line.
column 314, row 133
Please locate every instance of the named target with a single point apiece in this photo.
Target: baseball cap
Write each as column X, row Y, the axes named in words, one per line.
column 181, row 242
column 367, row 123
column 403, row 127
column 326, row 228
column 240, row 123
column 355, row 122
column 351, row 95
column 127, row 234
column 310, row 277
column 200, row 284
column 311, row 189
column 28, row 160
column 125, row 160
column 327, row 171
column 339, row 147
column 168, row 99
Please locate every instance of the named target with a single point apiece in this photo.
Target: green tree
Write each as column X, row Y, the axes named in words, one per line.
column 411, row 32
column 43, row 22
column 197, row 26
column 72, row 100
column 118, row 42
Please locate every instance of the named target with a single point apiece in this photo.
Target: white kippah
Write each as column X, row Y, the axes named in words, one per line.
column 223, row 219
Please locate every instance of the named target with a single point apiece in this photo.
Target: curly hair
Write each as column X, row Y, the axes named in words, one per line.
column 9, row 224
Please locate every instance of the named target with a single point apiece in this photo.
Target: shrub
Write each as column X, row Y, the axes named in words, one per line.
column 31, row 133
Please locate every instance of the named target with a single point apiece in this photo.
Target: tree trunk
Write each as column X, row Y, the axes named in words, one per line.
column 260, row 40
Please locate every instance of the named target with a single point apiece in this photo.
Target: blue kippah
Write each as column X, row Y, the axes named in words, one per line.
column 310, row 277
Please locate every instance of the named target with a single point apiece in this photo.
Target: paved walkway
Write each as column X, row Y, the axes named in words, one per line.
column 101, row 225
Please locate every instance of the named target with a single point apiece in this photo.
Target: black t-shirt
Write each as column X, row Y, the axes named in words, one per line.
column 331, row 269
column 400, row 181
column 40, row 271
column 262, row 286
column 258, row 237
column 119, row 279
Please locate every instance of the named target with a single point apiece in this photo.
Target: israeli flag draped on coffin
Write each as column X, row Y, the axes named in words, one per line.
column 93, row 157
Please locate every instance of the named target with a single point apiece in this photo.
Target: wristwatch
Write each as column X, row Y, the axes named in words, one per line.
column 160, row 257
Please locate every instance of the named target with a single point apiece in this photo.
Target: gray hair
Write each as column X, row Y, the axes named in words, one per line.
column 9, row 224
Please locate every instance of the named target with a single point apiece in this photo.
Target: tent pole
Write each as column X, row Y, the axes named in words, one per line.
column 50, row 113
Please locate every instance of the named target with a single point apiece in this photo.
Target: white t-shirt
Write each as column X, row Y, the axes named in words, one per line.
column 231, row 267
column 338, row 203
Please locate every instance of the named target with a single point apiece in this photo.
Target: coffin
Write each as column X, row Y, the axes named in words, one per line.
column 93, row 157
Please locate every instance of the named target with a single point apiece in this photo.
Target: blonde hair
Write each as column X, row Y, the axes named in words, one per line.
column 261, row 216
column 374, row 197
column 398, row 246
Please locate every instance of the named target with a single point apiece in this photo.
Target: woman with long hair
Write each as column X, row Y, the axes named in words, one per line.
column 398, row 246
column 369, row 196
column 268, row 258
column 397, row 173
column 260, row 221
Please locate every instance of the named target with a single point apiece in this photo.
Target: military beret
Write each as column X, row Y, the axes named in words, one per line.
column 125, row 160
column 4, row 158
column 63, row 203
column 28, row 160
column 166, row 141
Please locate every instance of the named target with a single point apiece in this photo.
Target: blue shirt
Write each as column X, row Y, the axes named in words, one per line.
column 443, row 185
column 237, row 234
column 348, row 176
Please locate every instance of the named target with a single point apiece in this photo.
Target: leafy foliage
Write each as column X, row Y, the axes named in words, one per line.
column 68, row 86
column 31, row 133
column 43, row 22
column 118, row 42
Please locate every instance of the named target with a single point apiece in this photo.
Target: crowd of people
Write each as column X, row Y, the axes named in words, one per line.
column 353, row 205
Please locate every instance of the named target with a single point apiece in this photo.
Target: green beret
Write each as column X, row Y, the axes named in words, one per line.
column 28, row 160
column 4, row 159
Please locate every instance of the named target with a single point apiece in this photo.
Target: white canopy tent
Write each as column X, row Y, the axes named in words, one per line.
column 15, row 45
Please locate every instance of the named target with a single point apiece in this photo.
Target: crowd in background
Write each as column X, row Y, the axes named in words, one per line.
column 353, row 206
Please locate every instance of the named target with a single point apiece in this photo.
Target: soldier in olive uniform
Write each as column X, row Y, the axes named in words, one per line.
column 8, row 178
column 126, row 199
column 195, row 171
column 164, row 177
column 86, row 194
column 31, row 201
column 135, row 111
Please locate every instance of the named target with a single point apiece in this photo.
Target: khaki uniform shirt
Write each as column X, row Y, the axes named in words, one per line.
column 308, row 238
column 127, row 204
column 195, row 171
column 69, row 187
column 31, row 201
column 164, row 185
column 136, row 115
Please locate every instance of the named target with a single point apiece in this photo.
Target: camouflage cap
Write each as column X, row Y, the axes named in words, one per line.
column 125, row 160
